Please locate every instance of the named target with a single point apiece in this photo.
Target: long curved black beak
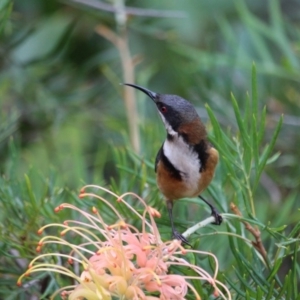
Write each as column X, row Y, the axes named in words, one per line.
column 152, row 95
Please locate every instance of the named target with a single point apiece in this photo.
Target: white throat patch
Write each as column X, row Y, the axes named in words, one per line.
column 167, row 125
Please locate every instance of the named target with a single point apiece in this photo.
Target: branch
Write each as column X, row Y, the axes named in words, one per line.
column 258, row 245
column 195, row 227
column 132, row 10
column 121, row 43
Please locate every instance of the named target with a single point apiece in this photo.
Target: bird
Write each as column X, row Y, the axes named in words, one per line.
column 185, row 163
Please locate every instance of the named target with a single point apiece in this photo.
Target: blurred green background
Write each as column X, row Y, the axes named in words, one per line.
column 64, row 116
column 59, row 80
column 60, row 93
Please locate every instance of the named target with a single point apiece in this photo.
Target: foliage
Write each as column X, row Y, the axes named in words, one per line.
column 63, row 124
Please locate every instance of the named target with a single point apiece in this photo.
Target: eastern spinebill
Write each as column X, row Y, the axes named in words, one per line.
column 185, row 164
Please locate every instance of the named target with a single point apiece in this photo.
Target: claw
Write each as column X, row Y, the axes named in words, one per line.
column 218, row 217
column 176, row 235
column 214, row 212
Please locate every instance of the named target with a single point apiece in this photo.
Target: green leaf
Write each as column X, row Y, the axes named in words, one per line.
column 262, row 125
column 254, row 272
column 287, row 243
column 6, row 7
column 295, row 231
column 246, row 283
column 290, row 288
column 273, row 158
column 254, row 98
column 248, row 297
column 255, row 146
column 294, row 270
column 267, row 151
column 283, row 290
column 48, row 35
column 235, row 287
column 277, row 229
column 275, row 269
column 215, row 124
column 259, row 293
column 270, row 291
column 30, row 192
column 241, row 125
column 4, row 3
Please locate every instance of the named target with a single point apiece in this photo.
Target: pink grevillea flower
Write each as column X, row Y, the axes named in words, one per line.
column 119, row 261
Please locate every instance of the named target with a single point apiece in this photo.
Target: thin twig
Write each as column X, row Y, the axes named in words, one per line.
column 201, row 224
column 258, row 245
column 121, row 43
column 133, row 10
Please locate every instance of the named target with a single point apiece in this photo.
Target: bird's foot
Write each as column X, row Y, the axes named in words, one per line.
column 218, row 217
column 176, row 235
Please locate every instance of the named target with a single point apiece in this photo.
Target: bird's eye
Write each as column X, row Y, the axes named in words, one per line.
column 163, row 109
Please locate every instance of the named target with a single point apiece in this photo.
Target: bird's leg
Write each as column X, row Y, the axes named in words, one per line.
column 214, row 212
column 175, row 233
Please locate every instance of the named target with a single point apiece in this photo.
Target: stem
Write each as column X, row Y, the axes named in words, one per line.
column 247, row 179
column 134, row 11
column 195, row 227
column 257, row 244
column 120, row 41
column 128, row 74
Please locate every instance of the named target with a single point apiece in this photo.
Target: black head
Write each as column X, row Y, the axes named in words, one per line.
column 174, row 110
